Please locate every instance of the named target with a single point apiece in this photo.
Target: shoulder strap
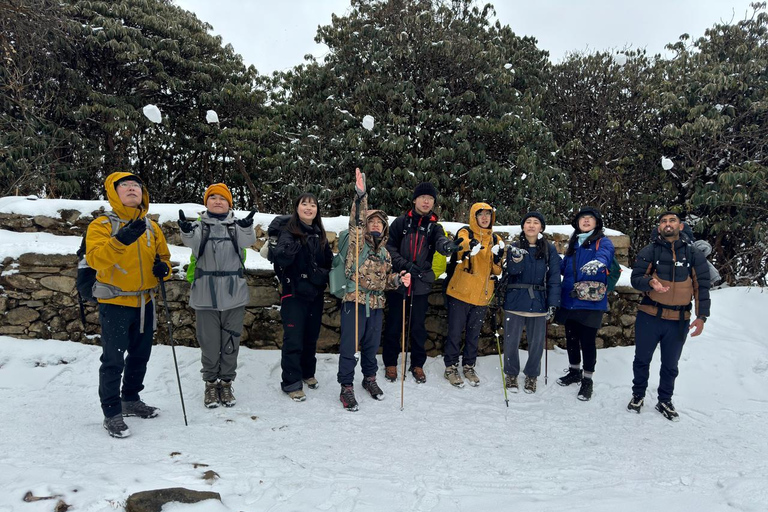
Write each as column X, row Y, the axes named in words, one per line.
column 232, row 231
column 205, row 233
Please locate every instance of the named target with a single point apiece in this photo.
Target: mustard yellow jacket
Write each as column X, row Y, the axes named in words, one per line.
column 128, row 267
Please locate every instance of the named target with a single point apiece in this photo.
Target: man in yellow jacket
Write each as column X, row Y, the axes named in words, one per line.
column 129, row 253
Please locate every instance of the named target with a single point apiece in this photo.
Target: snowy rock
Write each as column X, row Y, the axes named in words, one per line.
column 368, row 123
column 666, row 163
column 152, row 113
column 212, row 117
column 153, row 501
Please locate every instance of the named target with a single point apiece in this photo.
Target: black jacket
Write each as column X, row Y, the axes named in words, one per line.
column 303, row 267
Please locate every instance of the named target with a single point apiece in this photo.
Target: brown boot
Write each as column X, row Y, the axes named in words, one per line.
column 390, row 373
column 418, row 374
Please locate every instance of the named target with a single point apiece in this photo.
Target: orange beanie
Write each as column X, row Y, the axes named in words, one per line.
column 218, row 188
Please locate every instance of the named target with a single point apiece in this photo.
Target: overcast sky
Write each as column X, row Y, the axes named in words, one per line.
column 276, row 35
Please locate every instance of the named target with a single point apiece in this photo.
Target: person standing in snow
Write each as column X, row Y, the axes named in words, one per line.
column 219, row 291
column 368, row 264
column 532, row 297
column 671, row 272
column 413, row 239
column 584, row 296
column 469, row 292
column 129, row 258
column 303, row 257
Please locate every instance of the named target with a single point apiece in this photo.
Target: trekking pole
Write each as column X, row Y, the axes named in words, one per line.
column 173, row 347
column 546, row 350
column 402, row 353
column 495, row 327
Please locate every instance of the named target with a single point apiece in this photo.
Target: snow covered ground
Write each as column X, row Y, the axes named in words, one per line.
column 448, row 450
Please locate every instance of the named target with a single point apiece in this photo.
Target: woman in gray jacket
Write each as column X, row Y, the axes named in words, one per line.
column 219, row 292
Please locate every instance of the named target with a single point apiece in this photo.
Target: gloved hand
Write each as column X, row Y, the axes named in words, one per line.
column 454, row 246
column 359, row 183
column 551, row 312
column 591, row 268
column 473, row 242
column 516, row 252
column 131, row 231
column 184, row 225
column 160, row 269
column 246, row 222
column 498, row 252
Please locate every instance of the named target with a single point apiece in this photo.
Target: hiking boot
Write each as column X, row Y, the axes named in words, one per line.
column 572, row 377
column 636, row 403
column 312, row 383
column 140, row 409
column 370, row 385
column 390, row 373
column 418, row 374
column 452, row 374
column 530, row 385
column 226, row 394
column 347, row 398
column 298, row 395
column 470, row 375
column 585, row 392
column 211, row 394
column 116, row 427
column 668, row 410
column 511, row 383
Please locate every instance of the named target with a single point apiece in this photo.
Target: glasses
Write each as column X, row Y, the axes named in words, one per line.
column 129, row 184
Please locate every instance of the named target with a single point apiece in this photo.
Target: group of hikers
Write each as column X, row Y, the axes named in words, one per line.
column 385, row 265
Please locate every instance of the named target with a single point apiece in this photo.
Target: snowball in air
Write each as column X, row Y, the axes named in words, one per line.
column 152, row 113
column 368, row 123
column 211, row 117
column 666, row 163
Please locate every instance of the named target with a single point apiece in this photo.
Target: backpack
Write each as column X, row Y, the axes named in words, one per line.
column 205, row 233
column 337, row 278
column 274, row 229
column 455, row 258
column 613, row 273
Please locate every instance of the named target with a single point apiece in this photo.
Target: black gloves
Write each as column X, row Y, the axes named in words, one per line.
column 473, row 242
column 454, row 246
column 160, row 269
column 131, row 231
column 184, row 225
column 246, row 222
column 551, row 312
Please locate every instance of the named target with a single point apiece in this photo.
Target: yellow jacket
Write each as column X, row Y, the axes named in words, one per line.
column 476, row 287
column 127, row 267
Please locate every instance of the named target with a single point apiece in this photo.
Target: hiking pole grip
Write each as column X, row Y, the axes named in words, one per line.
column 173, row 348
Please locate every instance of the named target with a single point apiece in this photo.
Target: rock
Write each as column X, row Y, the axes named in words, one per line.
column 263, row 296
column 21, row 316
column 69, row 216
column 20, row 282
column 12, row 329
column 44, row 222
column 153, row 501
column 47, row 260
column 610, row 331
column 58, row 283
column 627, row 320
column 3, row 304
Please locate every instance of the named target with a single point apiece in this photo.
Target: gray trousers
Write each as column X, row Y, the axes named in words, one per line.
column 535, row 328
column 218, row 334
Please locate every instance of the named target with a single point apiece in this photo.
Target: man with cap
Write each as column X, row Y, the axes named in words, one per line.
column 670, row 272
column 413, row 239
column 129, row 253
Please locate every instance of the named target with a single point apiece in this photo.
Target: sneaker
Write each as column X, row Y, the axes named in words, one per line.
column 511, row 383
column 116, row 427
column 668, row 410
column 298, row 395
column 226, row 394
column 312, row 383
column 530, row 385
column 572, row 376
column 347, row 398
column 585, row 392
column 470, row 375
column 452, row 374
column 418, row 375
column 140, row 409
column 211, row 394
column 636, row 403
column 390, row 373
column 370, row 385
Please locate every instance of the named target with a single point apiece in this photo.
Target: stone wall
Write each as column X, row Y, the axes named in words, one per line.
column 38, row 300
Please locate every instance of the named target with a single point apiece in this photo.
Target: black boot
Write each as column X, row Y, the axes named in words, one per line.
column 572, row 377
column 585, row 393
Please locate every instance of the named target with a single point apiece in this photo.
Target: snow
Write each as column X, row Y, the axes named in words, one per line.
column 666, row 163
column 449, row 449
column 211, row 117
column 152, row 113
column 368, row 122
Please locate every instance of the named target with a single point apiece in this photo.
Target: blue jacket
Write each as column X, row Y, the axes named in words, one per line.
column 583, row 254
column 534, row 271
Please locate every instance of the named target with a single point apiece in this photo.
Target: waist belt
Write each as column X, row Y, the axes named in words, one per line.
column 219, row 273
column 529, row 287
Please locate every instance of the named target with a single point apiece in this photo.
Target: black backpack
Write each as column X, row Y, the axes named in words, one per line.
column 274, row 229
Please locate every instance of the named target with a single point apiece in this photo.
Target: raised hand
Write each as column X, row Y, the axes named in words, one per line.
column 184, row 225
column 246, row 222
column 516, row 253
column 454, row 246
column 591, row 268
column 131, row 231
column 359, row 182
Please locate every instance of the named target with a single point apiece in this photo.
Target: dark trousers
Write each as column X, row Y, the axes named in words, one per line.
column 120, row 326
column 580, row 339
column 416, row 312
column 368, row 336
column 650, row 332
column 301, row 328
column 461, row 316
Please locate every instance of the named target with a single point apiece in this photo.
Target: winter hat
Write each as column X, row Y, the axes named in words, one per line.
column 669, row 212
column 588, row 210
column 218, row 188
column 130, row 177
column 535, row 215
column 423, row 189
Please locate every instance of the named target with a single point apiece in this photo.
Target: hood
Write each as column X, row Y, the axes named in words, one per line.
column 473, row 225
column 588, row 210
column 381, row 215
column 122, row 211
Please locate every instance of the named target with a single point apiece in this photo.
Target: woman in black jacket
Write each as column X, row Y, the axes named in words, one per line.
column 303, row 257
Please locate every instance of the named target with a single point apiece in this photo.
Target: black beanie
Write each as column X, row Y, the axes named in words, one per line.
column 535, row 215
column 423, row 189
column 588, row 210
column 130, row 177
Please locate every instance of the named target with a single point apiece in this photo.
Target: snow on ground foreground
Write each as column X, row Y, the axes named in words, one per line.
column 448, row 450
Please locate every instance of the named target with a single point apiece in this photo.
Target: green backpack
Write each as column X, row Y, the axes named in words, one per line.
column 613, row 273
column 339, row 284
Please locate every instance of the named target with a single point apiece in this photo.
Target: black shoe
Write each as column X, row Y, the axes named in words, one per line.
column 140, row 409
column 668, row 410
column 347, row 398
column 116, row 427
column 572, row 377
column 636, row 403
column 585, row 392
column 369, row 384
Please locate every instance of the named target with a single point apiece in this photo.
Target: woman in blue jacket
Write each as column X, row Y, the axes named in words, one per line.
column 533, row 294
column 584, row 300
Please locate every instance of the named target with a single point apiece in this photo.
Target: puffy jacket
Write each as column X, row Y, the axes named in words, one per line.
column 305, row 265
column 542, row 273
column 586, row 252
column 471, row 281
column 127, row 267
column 219, row 281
